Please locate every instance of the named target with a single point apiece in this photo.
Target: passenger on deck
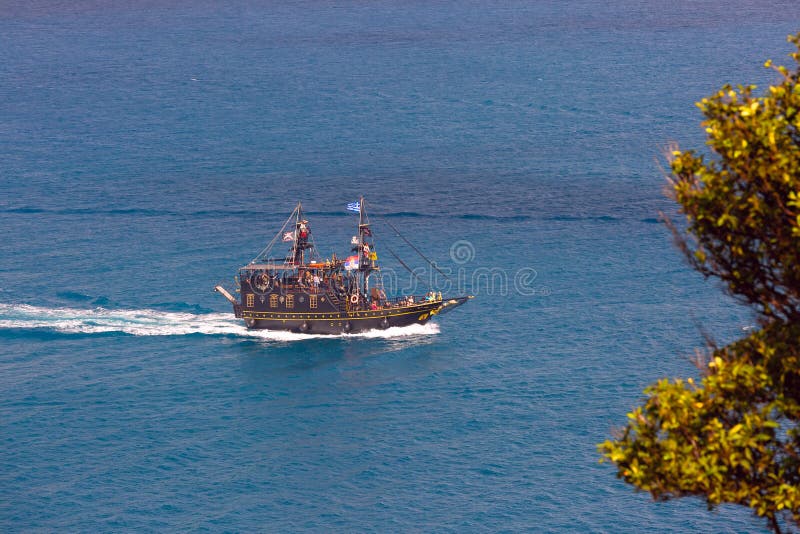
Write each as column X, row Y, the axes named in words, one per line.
column 302, row 231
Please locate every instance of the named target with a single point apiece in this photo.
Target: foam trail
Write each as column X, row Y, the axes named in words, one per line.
column 147, row 322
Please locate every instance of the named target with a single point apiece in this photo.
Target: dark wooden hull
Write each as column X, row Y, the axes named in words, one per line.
column 342, row 322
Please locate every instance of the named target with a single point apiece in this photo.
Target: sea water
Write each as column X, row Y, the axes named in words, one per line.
column 148, row 149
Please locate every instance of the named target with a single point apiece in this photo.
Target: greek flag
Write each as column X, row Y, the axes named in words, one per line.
column 354, row 206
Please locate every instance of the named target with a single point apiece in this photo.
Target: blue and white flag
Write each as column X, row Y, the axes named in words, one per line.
column 351, row 263
column 354, row 206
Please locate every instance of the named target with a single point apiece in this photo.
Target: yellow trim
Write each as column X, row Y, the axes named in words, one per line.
column 327, row 317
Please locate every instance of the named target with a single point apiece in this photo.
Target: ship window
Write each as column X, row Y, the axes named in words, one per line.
column 290, row 301
column 312, row 301
column 273, row 301
column 250, row 300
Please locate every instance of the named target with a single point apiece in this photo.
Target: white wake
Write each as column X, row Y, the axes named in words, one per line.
column 147, row 322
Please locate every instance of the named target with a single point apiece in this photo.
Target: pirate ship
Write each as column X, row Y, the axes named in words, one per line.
column 301, row 292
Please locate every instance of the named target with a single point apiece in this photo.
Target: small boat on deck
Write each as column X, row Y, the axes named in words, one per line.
column 301, row 292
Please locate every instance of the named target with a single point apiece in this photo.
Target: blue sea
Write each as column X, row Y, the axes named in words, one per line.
column 150, row 148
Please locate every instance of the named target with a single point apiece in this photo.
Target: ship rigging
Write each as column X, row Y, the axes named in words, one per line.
column 301, row 292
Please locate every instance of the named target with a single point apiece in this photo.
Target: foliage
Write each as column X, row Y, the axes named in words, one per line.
column 734, row 437
column 743, row 207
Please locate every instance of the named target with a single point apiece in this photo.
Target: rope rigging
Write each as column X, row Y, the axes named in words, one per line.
column 418, row 251
column 415, row 275
column 274, row 239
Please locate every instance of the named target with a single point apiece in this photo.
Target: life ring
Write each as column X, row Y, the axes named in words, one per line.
column 354, row 299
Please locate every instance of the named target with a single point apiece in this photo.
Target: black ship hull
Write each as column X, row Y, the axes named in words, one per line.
column 342, row 322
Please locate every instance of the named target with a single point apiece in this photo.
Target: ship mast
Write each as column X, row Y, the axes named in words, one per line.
column 295, row 251
column 360, row 246
column 367, row 250
column 303, row 239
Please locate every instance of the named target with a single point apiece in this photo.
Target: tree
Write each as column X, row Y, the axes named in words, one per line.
column 734, row 437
